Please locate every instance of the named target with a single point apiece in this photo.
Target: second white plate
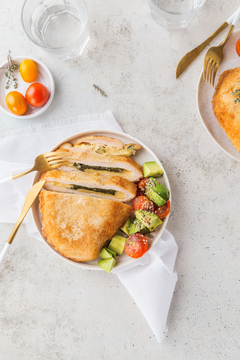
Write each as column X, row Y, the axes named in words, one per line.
column 205, row 95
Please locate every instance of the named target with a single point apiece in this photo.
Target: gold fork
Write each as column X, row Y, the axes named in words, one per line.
column 214, row 55
column 44, row 162
column 187, row 59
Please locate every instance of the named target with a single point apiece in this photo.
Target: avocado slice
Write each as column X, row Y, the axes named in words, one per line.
column 158, row 188
column 138, row 227
column 126, row 226
column 150, row 220
column 104, row 254
column 111, row 252
column 107, row 264
column 117, row 244
column 151, row 168
column 156, row 198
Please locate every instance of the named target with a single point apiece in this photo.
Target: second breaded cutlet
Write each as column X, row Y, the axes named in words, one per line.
column 226, row 109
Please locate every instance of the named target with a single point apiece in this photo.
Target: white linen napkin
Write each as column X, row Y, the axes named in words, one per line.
column 151, row 282
column 150, row 279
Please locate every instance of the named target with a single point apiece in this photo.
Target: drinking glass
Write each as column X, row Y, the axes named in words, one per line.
column 174, row 14
column 57, row 26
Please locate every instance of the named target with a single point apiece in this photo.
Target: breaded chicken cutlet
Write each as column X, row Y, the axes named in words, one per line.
column 77, row 226
column 225, row 106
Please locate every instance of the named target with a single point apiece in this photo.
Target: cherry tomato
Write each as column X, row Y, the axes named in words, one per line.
column 142, row 203
column 16, row 103
column 164, row 210
column 28, row 70
column 142, row 183
column 136, row 245
column 37, row 94
column 238, row 47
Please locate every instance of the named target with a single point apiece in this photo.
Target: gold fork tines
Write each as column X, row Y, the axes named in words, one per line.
column 46, row 162
column 213, row 59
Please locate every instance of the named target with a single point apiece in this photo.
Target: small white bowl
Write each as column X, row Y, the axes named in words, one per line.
column 44, row 77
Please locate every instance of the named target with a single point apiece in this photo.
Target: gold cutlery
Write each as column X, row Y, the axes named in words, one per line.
column 44, row 162
column 214, row 55
column 31, row 196
column 193, row 54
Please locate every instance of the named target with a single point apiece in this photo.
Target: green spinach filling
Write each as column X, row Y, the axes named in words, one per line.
column 83, row 167
column 104, row 191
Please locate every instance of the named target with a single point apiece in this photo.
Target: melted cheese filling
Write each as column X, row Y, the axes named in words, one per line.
column 89, row 190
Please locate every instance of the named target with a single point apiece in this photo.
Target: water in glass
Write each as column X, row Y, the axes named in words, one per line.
column 58, row 26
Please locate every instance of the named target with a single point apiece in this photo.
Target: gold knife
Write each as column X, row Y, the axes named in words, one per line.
column 190, row 56
column 31, row 196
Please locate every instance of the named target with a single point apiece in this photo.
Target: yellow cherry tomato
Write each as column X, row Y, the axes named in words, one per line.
column 16, row 103
column 28, row 70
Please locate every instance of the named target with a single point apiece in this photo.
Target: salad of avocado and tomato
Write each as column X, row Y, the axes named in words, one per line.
column 150, row 206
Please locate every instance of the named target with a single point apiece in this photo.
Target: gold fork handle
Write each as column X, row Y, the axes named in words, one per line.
column 230, row 31
column 22, row 173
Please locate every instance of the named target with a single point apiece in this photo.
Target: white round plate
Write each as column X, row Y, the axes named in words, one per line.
column 44, row 77
column 205, row 93
column 143, row 155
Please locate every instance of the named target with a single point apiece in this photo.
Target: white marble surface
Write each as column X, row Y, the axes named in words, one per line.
column 52, row 310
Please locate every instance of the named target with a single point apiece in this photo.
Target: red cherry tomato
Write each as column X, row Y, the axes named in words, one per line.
column 238, row 47
column 142, row 184
column 136, row 245
column 164, row 210
column 37, row 94
column 142, row 203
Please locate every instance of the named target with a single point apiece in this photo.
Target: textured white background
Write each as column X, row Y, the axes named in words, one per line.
column 51, row 310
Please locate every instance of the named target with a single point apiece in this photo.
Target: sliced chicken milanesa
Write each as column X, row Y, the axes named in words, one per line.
column 77, row 226
column 103, row 145
column 126, row 150
column 100, row 139
column 96, row 185
column 122, row 166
